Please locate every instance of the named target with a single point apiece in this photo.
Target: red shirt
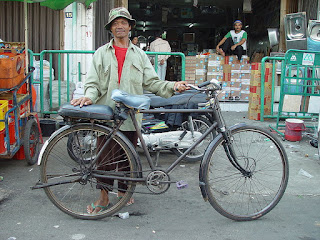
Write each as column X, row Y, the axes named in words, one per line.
column 120, row 55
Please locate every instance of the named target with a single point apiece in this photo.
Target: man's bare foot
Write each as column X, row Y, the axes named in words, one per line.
column 221, row 52
column 100, row 204
column 130, row 202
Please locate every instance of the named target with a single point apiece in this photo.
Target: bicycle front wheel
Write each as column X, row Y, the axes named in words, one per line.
column 69, row 163
column 240, row 196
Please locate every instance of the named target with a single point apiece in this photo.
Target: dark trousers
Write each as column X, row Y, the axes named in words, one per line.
column 226, row 47
column 113, row 159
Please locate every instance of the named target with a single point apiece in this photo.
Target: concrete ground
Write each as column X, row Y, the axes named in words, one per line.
column 177, row 214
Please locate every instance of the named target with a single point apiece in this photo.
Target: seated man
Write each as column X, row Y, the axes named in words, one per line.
column 234, row 43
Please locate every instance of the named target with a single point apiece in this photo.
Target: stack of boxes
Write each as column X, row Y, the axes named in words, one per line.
column 201, row 69
column 255, row 91
column 236, row 79
column 240, row 80
column 190, row 69
column 215, row 67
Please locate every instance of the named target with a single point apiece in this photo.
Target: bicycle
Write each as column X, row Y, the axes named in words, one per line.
column 243, row 174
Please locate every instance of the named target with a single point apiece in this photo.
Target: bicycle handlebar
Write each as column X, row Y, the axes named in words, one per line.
column 214, row 82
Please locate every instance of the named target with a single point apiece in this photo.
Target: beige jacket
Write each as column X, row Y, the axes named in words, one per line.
column 137, row 74
column 160, row 45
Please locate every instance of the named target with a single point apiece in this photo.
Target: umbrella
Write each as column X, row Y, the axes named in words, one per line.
column 53, row 4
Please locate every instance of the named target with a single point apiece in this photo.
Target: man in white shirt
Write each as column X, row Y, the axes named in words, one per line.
column 160, row 45
column 234, row 42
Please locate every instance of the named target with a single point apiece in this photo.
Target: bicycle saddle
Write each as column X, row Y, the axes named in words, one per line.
column 139, row 102
column 95, row 111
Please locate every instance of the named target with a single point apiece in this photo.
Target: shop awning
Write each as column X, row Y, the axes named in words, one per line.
column 54, row 4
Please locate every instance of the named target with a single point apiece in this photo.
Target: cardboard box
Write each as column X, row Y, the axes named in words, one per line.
column 244, row 96
column 201, row 78
column 201, row 72
column 190, row 81
column 201, row 66
column 226, row 72
column 214, row 63
column 223, row 95
column 235, row 85
column 11, row 65
column 235, row 77
column 254, row 114
column 215, row 57
column 215, row 69
column 245, row 75
column 245, row 81
column 218, row 77
column 245, row 87
column 245, row 68
column 235, row 94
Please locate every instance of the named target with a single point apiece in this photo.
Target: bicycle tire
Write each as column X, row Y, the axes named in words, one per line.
column 31, row 144
column 73, row 198
column 200, row 124
column 236, row 196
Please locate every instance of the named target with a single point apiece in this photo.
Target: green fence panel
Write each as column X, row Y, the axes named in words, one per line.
column 69, row 54
column 300, row 77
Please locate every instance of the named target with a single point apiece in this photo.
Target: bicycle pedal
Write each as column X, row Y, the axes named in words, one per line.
column 181, row 184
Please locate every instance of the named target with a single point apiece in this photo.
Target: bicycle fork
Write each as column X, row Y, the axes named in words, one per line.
column 228, row 148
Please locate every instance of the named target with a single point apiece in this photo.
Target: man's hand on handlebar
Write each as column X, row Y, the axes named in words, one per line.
column 180, row 86
column 83, row 101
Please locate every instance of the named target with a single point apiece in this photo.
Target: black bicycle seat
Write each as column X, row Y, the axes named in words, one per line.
column 131, row 101
column 95, row 111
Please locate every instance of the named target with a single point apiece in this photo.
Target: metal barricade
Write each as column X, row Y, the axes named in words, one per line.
column 300, row 76
column 65, row 56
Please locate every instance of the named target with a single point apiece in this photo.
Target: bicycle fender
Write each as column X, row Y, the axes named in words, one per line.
column 205, row 160
column 49, row 140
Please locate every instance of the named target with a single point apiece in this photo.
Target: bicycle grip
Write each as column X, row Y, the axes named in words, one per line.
column 204, row 84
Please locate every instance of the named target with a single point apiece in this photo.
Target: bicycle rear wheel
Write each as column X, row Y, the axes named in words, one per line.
column 235, row 195
column 84, row 187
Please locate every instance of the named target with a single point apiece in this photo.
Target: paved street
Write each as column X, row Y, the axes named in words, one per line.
column 177, row 214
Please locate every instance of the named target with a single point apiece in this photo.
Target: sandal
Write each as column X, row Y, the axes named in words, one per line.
column 103, row 208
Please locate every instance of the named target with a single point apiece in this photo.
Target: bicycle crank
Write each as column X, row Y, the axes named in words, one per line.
column 158, row 181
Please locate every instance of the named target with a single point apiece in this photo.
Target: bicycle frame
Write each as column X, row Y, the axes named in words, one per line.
column 214, row 112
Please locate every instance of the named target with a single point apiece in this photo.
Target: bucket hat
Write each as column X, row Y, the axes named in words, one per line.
column 119, row 12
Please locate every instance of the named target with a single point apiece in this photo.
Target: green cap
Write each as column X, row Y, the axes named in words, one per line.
column 119, row 12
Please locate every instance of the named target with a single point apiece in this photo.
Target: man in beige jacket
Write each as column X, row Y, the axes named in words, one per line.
column 120, row 64
column 160, row 45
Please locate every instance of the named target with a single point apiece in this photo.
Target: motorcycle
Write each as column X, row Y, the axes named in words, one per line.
column 159, row 131
column 162, row 133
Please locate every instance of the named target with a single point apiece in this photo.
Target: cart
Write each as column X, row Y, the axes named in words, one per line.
column 21, row 124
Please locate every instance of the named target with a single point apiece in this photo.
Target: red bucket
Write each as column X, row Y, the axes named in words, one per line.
column 294, row 128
